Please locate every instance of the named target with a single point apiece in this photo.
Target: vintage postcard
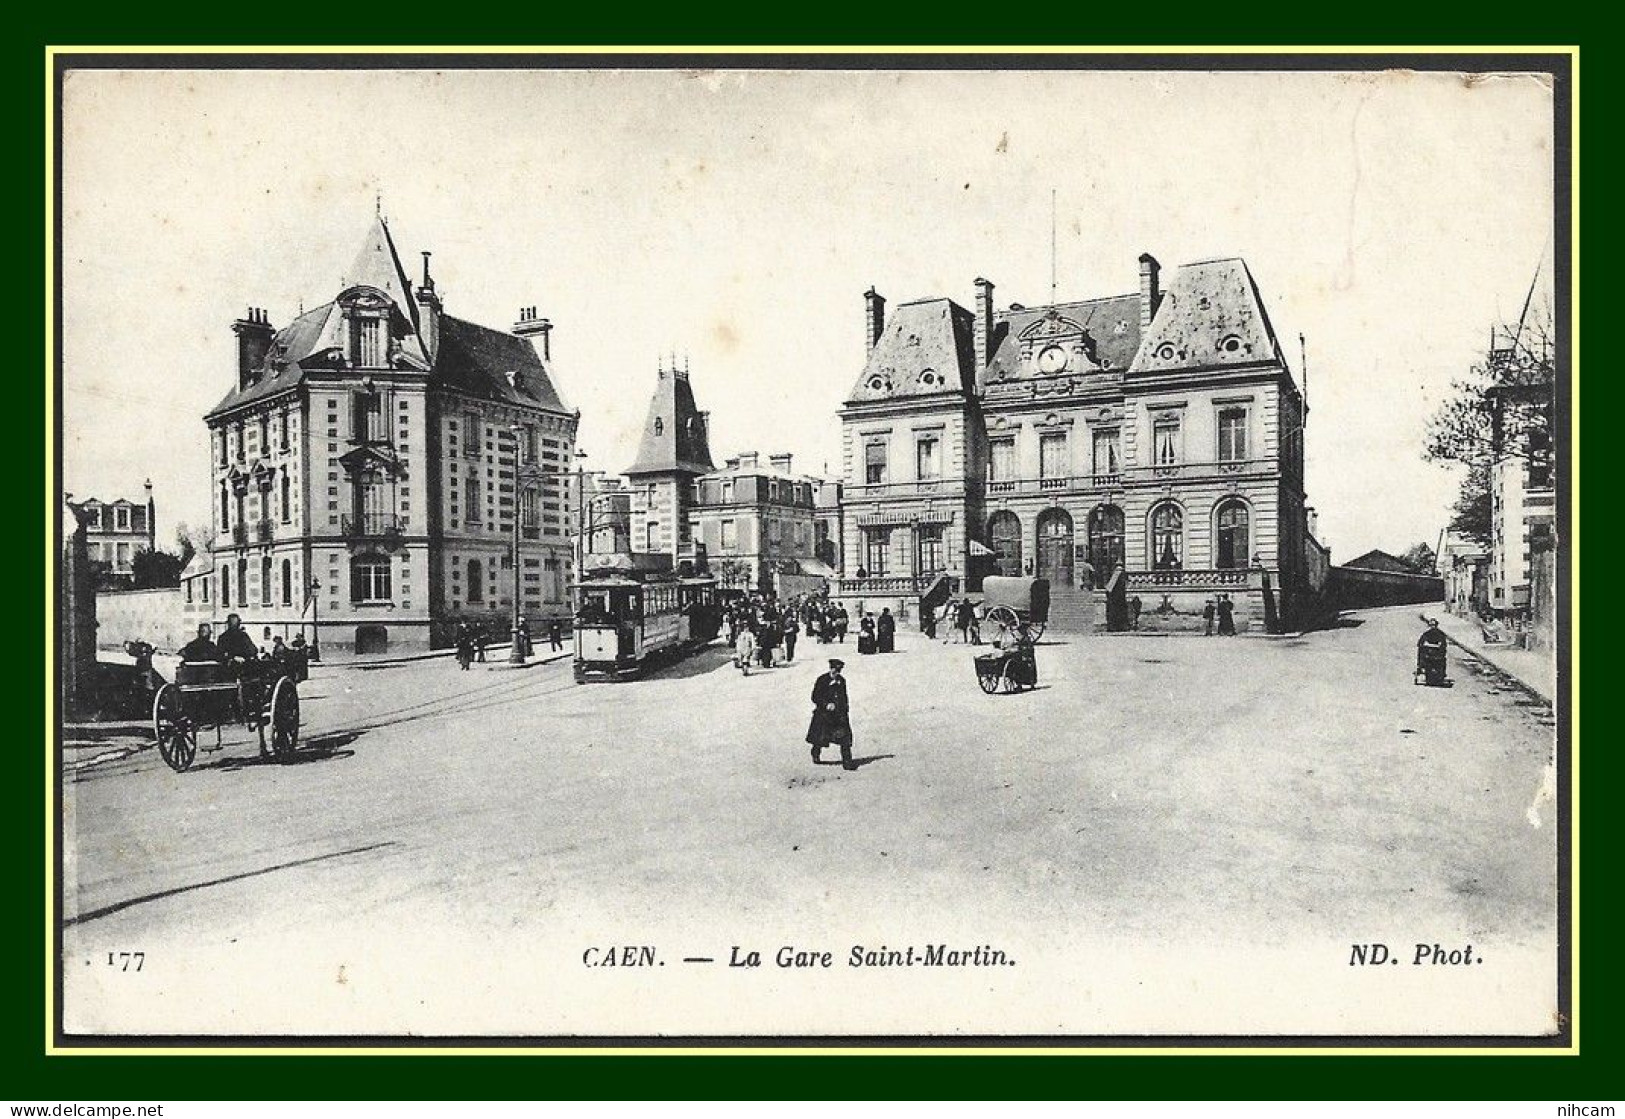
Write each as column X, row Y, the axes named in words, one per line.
column 1026, row 550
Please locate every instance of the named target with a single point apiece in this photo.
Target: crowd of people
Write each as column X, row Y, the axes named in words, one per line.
column 764, row 631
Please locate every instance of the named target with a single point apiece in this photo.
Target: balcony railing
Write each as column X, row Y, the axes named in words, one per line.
column 904, row 489
column 262, row 531
column 1213, row 577
column 887, row 584
column 372, row 525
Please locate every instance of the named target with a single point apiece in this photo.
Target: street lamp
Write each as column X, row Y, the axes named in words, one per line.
column 516, row 654
column 315, row 620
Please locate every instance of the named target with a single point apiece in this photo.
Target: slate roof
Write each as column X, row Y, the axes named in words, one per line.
column 927, row 347
column 471, row 359
column 674, row 431
column 1379, row 560
column 1211, row 316
column 1109, row 329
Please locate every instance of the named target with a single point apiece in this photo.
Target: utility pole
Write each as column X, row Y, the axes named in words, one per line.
column 516, row 654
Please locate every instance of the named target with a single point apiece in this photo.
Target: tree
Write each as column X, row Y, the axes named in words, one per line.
column 155, row 568
column 1501, row 409
column 186, row 541
column 1421, row 559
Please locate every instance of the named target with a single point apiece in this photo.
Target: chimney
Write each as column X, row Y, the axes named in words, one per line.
column 874, row 318
column 254, row 334
column 780, row 462
column 1311, row 520
column 531, row 325
column 428, row 312
column 748, row 459
column 984, row 321
column 1150, row 288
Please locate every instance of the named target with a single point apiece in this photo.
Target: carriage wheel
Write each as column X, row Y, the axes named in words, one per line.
column 175, row 735
column 284, row 718
column 1035, row 632
column 990, row 684
column 1004, row 617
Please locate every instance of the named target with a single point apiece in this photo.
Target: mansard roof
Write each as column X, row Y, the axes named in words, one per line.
column 1106, row 330
column 928, row 347
column 1210, row 316
column 675, row 439
column 471, row 359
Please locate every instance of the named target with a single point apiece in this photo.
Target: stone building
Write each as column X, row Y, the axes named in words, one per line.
column 756, row 522
column 115, row 531
column 1140, row 446
column 674, row 450
column 370, row 461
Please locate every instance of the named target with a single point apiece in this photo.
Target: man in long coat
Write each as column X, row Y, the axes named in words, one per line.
column 832, row 716
column 886, row 630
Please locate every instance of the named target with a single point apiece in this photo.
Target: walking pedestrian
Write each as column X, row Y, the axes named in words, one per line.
column 555, row 634
column 928, row 622
column 792, row 630
column 1227, row 620
column 1134, row 612
column 963, row 614
column 977, row 613
column 1207, row 618
column 465, row 646
column 866, row 634
column 843, row 621
column 831, row 723
column 479, row 643
column 744, row 649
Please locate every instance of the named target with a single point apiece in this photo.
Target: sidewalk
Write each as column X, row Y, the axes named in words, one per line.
column 1535, row 669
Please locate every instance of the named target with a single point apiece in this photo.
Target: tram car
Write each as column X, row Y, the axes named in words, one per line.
column 629, row 619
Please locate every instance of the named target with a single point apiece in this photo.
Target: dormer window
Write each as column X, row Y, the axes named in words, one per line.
column 366, row 341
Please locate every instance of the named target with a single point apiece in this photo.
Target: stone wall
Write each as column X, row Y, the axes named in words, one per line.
column 1356, row 588
column 158, row 617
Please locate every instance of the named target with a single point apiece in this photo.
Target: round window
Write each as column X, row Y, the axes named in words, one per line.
column 1230, row 344
column 1165, row 352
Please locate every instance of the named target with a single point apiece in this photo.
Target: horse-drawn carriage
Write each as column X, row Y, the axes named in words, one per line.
column 207, row 695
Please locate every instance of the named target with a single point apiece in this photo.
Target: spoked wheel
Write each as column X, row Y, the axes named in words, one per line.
column 175, row 735
column 1035, row 632
column 284, row 719
column 990, row 684
column 1004, row 617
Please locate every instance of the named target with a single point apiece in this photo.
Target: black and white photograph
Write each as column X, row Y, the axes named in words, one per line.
column 812, row 550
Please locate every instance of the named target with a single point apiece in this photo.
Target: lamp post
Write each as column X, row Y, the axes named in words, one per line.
column 516, row 654
column 315, row 620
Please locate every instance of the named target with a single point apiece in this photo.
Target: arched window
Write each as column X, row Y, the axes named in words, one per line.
column 225, row 586
column 225, row 507
column 1055, row 547
column 242, row 582
column 370, row 579
column 476, row 581
column 265, row 580
column 1105, row 542
column 287, row 497
column 287, row 582
column 1167, row 537
column 1230, row 530
column 1004, row 533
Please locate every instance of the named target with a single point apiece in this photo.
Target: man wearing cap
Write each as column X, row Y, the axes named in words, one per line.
column 831, row 717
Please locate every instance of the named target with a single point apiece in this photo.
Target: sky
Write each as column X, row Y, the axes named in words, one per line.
column 735, row 219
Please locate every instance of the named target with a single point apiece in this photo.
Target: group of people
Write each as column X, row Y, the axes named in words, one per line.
column 1222, row 609
column 472, row 640
column 760, row 627
column 877, row 634
column 958, row 615
column 236, row 647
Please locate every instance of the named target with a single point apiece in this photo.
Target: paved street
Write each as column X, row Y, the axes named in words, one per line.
column 1170, row 835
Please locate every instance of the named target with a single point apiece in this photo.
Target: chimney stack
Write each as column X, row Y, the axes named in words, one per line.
column 874, row 318
column 1150, row 288
column 254, row 333
column 530, row 325
column 152, row 518
column 780, row 462
column 984, row 321
column 428, row 311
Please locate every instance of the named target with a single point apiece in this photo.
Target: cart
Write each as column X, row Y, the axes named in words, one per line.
column 1018, row 606
column 1013, row 670
column 209, row 695
column 1430, row 666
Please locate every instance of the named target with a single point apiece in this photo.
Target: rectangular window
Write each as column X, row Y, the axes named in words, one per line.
column 930, row 558
column 527, row 509
column 366, row 342
column 138, row 519
column 122, row 517
column 730, row 538
column 1001, row 461
column 874, row 463
column 1052, row 459
column 123, row 557
column 1232, row 434
column 775, row 532
column 471, row 500
column 471, row 435
column 1106, row 459
column 369, row 420
column 877, row 546
column 728, row 493
column 651, row 536
column 1165, row 443
column 370, row 580
column 928, row 458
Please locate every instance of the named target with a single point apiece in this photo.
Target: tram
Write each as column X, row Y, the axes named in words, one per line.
column 627, row 619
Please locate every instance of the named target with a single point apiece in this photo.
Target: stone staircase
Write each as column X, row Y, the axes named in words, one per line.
column 1075, row 610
